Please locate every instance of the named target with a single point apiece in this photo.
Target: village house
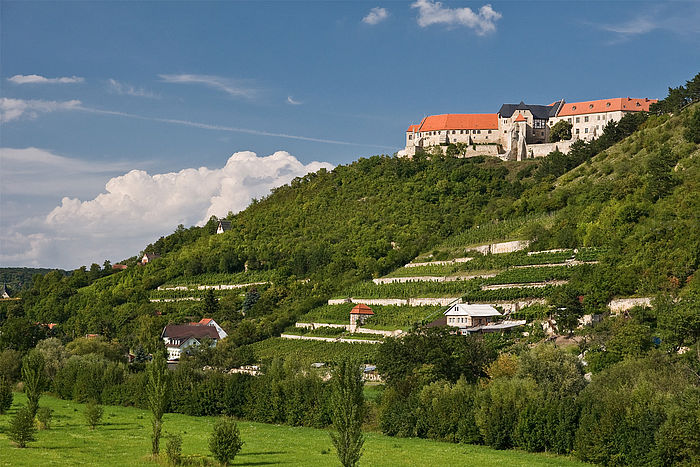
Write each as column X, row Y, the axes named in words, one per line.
column 479, row 318
column 519, row 131
column 3, row 293
column 178, row 337
column 358, row 315
column 224, row 226
column 148, row 257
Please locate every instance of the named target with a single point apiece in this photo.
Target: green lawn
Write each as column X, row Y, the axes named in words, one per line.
column 123, row 439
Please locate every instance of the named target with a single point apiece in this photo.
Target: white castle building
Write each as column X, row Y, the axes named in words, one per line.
column 519, row 131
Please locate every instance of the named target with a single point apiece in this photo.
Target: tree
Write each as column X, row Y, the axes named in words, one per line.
column 157, row 391
column 692, row 130
column 55, row 356
column 210, row 304
column 5, row 395
column 93, row 414
column 560, row 131
column 348, row 411
column 251, row 298
column 33, row 378
column 44, row 415
column 173, row 448
column 21, row 429
column 225, row 440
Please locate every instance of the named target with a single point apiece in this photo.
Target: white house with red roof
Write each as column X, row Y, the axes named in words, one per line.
column 358, row 315
column 178, row 337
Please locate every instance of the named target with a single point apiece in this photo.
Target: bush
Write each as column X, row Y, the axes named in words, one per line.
column 225, row 440
column 93, row 414
column 21, row 429
column 5, row 395
column 173, row 448
column 44, row 415
column 498, row 409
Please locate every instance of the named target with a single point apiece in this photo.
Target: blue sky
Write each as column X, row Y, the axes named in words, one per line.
column 93, row 90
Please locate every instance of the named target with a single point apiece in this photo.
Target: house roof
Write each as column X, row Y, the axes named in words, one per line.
column 459, row 122
column 205, row 321
column 462, row 309
column 442, row 321
column 625, row 104
column 184, row 331
column 412, row 128
column 361, row 309
column 520, row 118
column 541, row 112
column 151, row 256
column 225, row 225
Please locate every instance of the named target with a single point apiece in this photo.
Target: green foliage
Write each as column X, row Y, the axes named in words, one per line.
column 560, row 131
column 21, row 334
column 10, row 365
column 157, row 390
column 348, row 411
column 692, row 130
column 5, row 395
column 98, row 346
column 44, row 415
column 498, row 409
column 308, row 352
column 679, row 97
column 33, row 378
column 173, row 448
column 225, row 440
column 446, row 412
column 93, row 414
column 21, row 429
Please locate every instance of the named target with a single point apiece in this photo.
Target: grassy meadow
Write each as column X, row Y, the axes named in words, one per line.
column 123, row 439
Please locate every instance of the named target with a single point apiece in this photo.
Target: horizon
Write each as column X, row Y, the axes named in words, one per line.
column 121, row 121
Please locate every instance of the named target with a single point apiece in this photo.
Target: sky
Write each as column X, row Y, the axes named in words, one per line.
column 121, row 120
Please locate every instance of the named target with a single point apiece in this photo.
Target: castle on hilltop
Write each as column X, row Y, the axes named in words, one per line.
column 519, row 131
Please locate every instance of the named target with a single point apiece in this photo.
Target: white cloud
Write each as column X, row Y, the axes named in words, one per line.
column 231, row 87
column 482, row 23
column 136, row 208
column 291, row 100
column 12, row 109
column 38, row 79
column 375, row 16
column 129, row 90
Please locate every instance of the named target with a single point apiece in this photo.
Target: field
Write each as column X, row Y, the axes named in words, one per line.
column 123, row 440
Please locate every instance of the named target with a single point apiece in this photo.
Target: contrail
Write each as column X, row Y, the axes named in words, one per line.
column 208, row 126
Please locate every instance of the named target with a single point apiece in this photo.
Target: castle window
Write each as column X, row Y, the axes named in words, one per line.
column 569, row 119
column 585, row 130
column 577, row 131
column 590, row 106
column 489, row 131
column 410, row 137
column 573, row 107
column 585, row 119
column 578, row 119
column 607, row 104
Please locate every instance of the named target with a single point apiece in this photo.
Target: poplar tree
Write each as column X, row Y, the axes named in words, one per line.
column 158, row 391
column 348, row 411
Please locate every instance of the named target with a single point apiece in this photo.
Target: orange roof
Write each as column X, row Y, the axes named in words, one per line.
column 361, row 309
column 205, row 321
column 460, row 122
column 412, row 128
column 625, row 104
column 520, row 118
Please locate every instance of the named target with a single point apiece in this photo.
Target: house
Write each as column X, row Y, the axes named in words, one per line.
column 358, row 315
column 3, row 293
column 119, row 267
column 224, row 226
column 464, row 316
column 178, row 337
column 148, row 257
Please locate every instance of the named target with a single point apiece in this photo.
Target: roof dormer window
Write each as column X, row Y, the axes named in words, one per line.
column 607, row 104
column 590, row 106
column 573, row 107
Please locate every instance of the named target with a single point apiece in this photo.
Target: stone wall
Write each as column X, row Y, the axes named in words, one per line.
column 502, row 247
column 439, row 301
column 541, row 150
column 623, row 304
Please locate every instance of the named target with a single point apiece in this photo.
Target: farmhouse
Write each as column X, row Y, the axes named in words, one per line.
column 465, row 316
column 148, row 257
column 178, row 337
column 518, row 131
column 3, row 293
column 224, row 226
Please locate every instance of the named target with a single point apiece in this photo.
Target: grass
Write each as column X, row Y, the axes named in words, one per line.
column 123, row 440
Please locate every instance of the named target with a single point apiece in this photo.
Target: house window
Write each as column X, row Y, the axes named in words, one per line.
column 585, row 130
column 539, row 123
column 585, row 119
column 578, row 119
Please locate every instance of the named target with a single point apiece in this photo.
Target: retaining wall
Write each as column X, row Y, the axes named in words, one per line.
column 623, row 304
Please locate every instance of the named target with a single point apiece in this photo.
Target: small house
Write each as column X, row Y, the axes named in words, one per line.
column 3, row 293
column 359, row 314
column 462, row 315
column 119, row 267
column 148, row 257
column 224, row 226
column 178, row 337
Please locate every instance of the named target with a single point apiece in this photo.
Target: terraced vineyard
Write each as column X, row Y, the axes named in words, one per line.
column 385, row 317
column 221, row 278
column 308, row 352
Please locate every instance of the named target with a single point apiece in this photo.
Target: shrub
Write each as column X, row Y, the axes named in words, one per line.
column 44, row 415
column 21, row 429
column 93, row 414
column 498, row 409
column 225, row 440
column 173, row 448
column 5, row 395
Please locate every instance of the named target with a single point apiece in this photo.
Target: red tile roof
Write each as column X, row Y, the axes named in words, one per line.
column 205, row 321
column 412, row 128
column 459, row 122
column 521, row 118
column 625, row 104
column 185, row 331
column 361, row 309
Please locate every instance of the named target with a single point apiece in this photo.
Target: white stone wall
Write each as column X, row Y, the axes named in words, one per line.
column 623, row 304
column 502, row 247
column 588, row 126
column 439, row 301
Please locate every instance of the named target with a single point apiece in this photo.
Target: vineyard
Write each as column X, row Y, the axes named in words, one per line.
column 385, row 317
column 308, row 352
column 221, row 278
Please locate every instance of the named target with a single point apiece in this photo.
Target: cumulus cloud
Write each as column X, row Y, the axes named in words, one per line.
column 136, row 208
column 375, row 16
column 38, row 79
column 292, row 101
column 231, row 87
column 12, row 109
column 483, row 22
column 128, row 90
